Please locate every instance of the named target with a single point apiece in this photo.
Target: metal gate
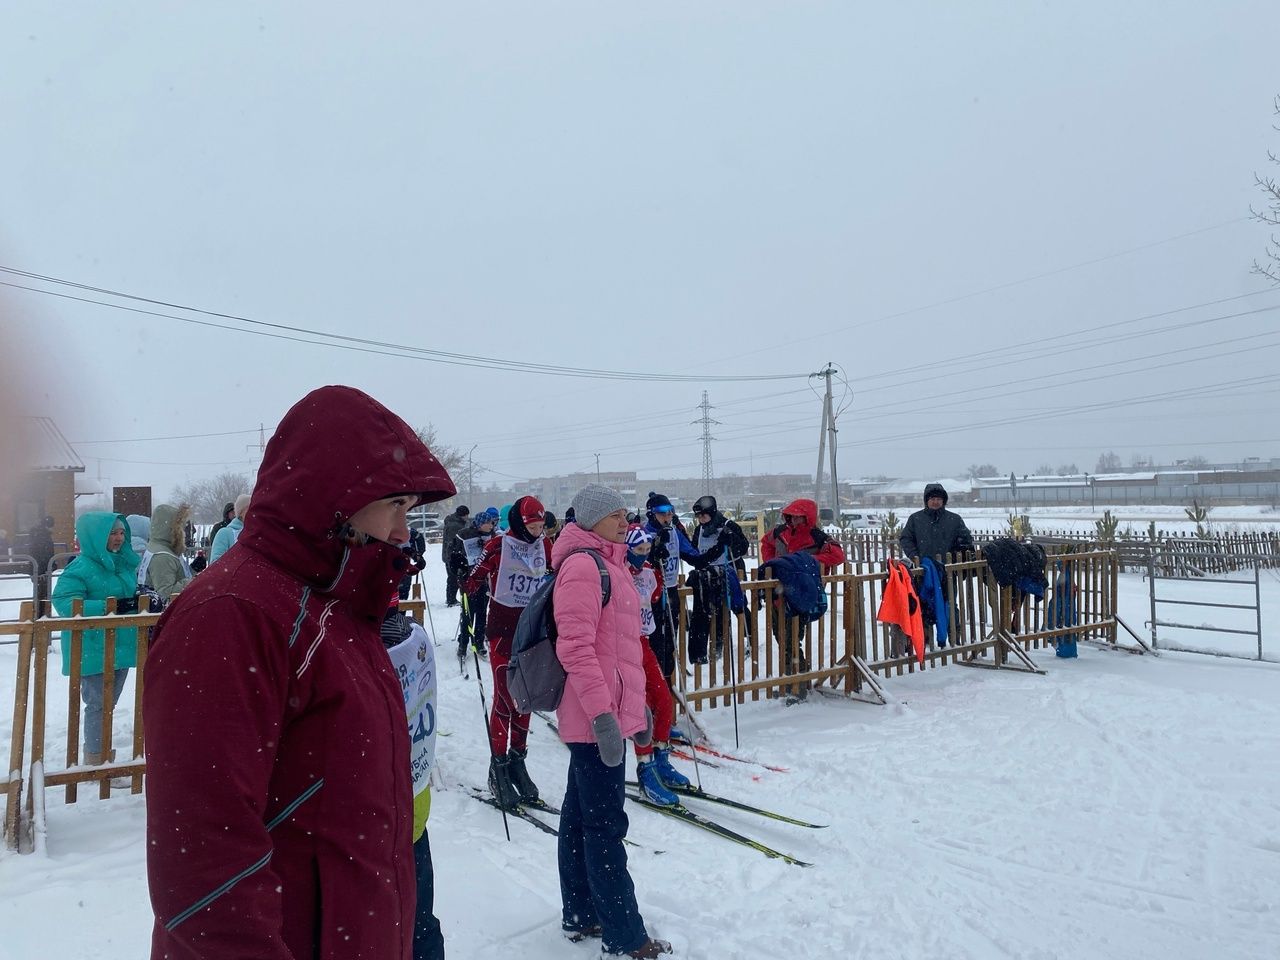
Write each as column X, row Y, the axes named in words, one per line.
column 1170, row 564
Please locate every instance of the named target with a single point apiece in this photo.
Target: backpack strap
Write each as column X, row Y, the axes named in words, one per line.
column 605, row 585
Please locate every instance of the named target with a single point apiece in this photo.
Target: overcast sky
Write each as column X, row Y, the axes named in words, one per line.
column 710, row 189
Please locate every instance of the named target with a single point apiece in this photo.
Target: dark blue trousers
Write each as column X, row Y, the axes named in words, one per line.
column 428, row 940
column 595, row 887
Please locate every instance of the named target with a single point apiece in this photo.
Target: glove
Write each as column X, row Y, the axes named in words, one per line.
column 155, row 601
column 711, row 556
column 645, row 737
column 608, row 738
column 127, row 605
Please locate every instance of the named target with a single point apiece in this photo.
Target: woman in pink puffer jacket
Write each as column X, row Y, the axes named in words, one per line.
column 600, row 648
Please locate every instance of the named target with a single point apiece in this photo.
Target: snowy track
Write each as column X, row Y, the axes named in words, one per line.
column 1118, row 807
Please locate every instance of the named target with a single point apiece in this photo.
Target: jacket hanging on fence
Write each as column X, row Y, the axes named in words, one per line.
column 934, row 600
column 901, row 605
column 1062, row 612
column 801, row 580
column 1015, row 564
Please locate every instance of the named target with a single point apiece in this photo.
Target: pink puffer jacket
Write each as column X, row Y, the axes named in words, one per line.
column 600, row 649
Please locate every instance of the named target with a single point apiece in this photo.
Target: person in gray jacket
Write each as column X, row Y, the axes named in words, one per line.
column 163, row 568
column 934, row 531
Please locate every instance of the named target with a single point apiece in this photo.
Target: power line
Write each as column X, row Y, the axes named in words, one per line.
column 959, row 298
column 293, row 333
column 186, row 436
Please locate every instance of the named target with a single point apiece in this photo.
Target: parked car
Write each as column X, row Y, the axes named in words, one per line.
column 428, row 523
column 859, row 520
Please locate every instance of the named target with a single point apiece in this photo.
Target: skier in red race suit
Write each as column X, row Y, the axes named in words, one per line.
column 798, row 533
column 513, row 566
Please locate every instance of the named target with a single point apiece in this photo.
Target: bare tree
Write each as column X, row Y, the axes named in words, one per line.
column 1108, row 462
column 1068, row 470
column 208, row 497
column 983, row 470
column 450, row 457
column 1269, row 212
column 1044, row 470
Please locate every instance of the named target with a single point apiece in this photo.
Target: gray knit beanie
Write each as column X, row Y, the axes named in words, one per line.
column 594, row 502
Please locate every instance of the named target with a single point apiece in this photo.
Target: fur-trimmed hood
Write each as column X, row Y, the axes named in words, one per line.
column 168, row 528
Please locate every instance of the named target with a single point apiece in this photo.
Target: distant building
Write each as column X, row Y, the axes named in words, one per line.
column 556, row 493
column 910, row 493
column 1249, row 481
column 46, row 484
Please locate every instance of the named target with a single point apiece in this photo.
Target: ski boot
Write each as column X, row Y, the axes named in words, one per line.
column 652, row 787
column 519, row 776
column 670, row 776
column 678, row 736
column 500, row 783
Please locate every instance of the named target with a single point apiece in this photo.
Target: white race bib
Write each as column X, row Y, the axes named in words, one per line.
column 520, row 572
column 473, row 547
column 671, row 564
column 646, row 582
column 414, row 662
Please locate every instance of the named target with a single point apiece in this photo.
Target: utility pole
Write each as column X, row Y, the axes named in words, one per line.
column 261, row 445
column 708, row 473
column 597, row 468
column 471, row 488
column 827, row 437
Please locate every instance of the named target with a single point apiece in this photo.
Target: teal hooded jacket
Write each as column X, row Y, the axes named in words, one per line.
column 92, row 577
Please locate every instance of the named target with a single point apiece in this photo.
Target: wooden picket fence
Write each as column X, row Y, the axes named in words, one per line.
column 31, row 775
column 1223, row 551
column 849, row 651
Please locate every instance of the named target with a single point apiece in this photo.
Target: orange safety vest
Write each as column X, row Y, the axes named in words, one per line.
column 900, row 605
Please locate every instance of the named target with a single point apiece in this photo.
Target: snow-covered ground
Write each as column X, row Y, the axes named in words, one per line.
column 1117, row 807
column 1246, row 518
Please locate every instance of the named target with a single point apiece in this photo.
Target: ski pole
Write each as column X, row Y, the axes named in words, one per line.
column 464, row 621
column 484, row 713
column 675, row 696
column 728, row 635
column 426, row 602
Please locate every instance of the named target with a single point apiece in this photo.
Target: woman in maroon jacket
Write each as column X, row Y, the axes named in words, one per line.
column 513, row 566
column 279, row 798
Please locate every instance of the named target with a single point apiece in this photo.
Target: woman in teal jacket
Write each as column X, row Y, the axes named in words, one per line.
column 106, row 567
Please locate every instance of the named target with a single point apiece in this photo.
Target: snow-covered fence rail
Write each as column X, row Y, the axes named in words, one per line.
column 759, row 653
column 122, row 744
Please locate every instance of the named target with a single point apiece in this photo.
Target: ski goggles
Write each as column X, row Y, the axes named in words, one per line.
column 663, row 509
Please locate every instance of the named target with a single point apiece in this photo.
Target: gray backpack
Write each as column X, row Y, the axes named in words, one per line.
column 535, row 677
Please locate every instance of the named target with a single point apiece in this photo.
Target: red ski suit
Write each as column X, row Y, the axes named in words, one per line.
column 508, row 727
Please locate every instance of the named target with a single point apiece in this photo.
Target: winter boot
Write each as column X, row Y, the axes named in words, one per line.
column 578, row 934
column 652, row 787
column 525, row 787
column 669, row 775
column 500, row 783
column 648, row 950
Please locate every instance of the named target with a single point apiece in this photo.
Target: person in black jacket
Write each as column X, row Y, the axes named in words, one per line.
column 465, row 551
column 228, row 514
column 934, row 531
column 454, row 524
column 720, row 544
column 40, row 546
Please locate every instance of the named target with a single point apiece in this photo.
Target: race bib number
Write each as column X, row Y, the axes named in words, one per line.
column 415, row 667
column 521, row 571
column 646, row 582
column 473, row 547
column 671, row 563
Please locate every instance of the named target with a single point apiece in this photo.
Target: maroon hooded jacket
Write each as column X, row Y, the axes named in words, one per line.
column 279, row 802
